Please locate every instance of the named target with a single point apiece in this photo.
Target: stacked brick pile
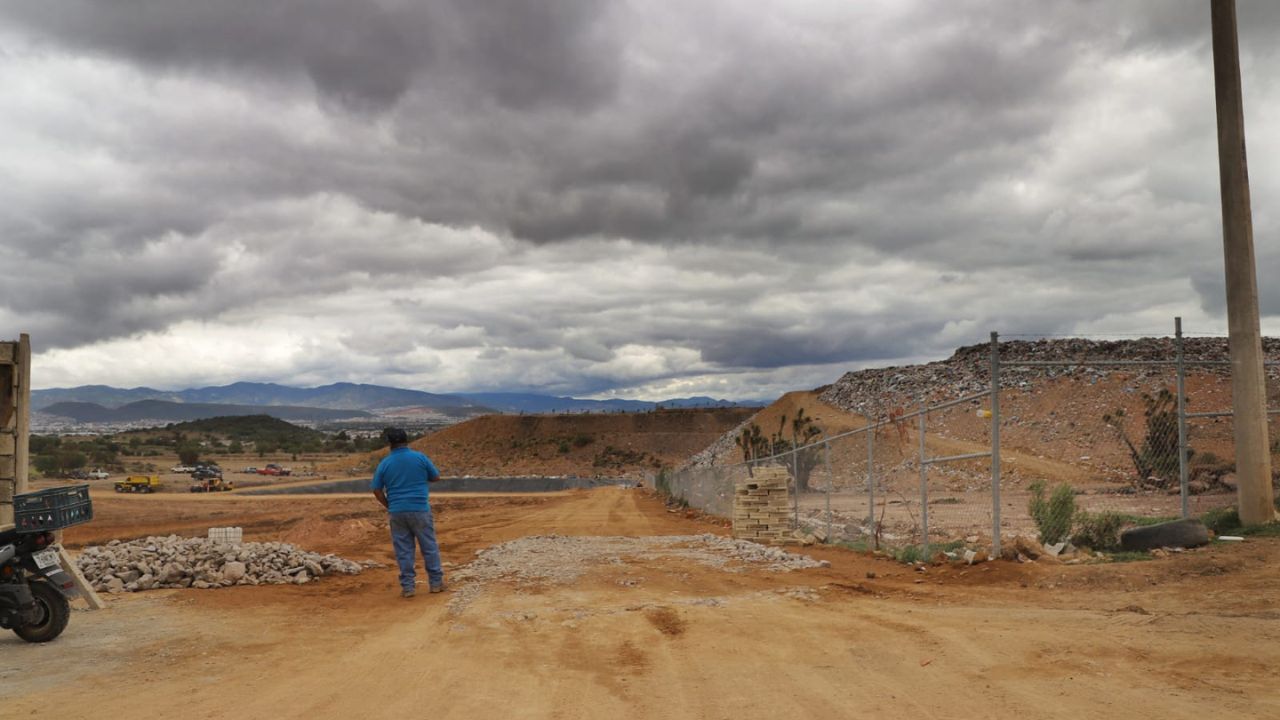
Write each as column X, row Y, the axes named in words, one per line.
column 761, row 509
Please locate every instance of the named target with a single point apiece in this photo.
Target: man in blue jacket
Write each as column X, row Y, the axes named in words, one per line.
column 400, row 484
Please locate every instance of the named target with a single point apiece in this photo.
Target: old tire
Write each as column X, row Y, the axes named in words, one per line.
column 55, row 611
column 1179, row 533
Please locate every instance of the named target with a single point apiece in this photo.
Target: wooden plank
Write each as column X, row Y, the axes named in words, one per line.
column 23, row 434
column 82, row 584
column 8, row 395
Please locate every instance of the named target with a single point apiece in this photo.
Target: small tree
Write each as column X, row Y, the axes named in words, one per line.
column 1158, row 455
column 803, row 432
column 755, row 446
column 189, row 454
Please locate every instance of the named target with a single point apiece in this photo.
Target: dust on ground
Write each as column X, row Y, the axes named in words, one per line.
column 656, row 635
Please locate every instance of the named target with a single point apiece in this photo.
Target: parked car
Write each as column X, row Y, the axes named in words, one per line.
column 274, row 469
column 182, row 469
column 99, row 475
column 206, row 471
column 76, row 475
column 250, row 471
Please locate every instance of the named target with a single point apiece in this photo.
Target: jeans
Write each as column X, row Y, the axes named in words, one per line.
column 406, row 527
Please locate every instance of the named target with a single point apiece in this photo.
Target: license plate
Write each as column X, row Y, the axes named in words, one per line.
column 45, row 558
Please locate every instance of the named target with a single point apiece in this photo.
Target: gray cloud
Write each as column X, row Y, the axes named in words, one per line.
column 364, row 54
column 593, row 196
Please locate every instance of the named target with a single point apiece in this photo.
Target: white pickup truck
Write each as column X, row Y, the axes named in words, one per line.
column 182, row 469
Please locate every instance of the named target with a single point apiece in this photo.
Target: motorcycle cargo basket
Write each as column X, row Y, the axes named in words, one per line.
column 52, row 509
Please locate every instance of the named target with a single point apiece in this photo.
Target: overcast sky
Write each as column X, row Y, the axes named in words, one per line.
column 640, row 199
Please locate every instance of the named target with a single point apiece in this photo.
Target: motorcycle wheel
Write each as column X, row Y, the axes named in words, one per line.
column 55, row 611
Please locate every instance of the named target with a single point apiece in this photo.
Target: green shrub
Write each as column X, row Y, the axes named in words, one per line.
column 1098, row 531
column 1222, row 521
column 1053, row 516
column 914, row 553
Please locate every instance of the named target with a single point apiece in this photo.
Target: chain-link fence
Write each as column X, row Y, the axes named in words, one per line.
column 922, row 473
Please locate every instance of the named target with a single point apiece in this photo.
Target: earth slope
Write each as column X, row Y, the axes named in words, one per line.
column 621, row 445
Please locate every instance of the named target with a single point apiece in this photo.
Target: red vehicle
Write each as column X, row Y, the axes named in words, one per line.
column 274, row 469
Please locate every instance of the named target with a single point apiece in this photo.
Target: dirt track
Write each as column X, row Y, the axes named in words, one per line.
column 1191, row 636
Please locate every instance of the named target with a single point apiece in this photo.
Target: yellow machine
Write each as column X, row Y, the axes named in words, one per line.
column 212, row 484
column 139, row 483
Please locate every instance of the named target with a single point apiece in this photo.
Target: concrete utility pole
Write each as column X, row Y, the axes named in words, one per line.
column 1248, row 382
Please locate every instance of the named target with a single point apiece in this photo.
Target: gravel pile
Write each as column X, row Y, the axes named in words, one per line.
column 557, row 559
column 179, row 562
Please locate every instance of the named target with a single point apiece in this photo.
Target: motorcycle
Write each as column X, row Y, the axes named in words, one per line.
column 35, row 591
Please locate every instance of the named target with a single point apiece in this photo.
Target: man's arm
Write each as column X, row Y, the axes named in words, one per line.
column 378, row 486
column 432, row 473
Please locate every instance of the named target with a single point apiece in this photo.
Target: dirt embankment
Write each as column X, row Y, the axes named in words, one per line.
column 580, row 445
column 1057, row 424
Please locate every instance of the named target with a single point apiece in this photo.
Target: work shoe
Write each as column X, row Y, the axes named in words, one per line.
column 437, row 588
column 407, row 593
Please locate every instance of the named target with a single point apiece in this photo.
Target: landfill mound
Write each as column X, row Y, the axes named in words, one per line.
column 968, row 370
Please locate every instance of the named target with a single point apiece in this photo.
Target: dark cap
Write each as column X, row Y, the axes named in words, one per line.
column 395, row 436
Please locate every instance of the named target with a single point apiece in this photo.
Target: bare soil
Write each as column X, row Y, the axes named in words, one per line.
column 1188, row 636
column 578, row 444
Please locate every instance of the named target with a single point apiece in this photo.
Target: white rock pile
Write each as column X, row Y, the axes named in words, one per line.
column 562, row 559
column 179, row 562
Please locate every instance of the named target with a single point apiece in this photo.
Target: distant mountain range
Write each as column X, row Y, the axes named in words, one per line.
column 166, row 411
column 339, row 401
column 338, row 396
column 352, row 396
column 533, row 403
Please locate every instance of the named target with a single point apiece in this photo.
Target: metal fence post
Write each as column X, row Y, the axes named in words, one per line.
column 826, row 458
column 871, row 486
column 718, row 494
column 924, row 491
column 1183, row 488
column 795, row 474
column 995, row 444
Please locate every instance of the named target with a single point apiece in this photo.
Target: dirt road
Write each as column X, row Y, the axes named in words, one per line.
column 1193, row 635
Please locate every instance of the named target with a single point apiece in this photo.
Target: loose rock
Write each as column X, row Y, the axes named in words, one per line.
column 178, row 562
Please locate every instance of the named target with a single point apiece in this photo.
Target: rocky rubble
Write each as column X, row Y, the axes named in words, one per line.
column 557, row 558
column 179, row 562
column 967, row 372
column 725, row 445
